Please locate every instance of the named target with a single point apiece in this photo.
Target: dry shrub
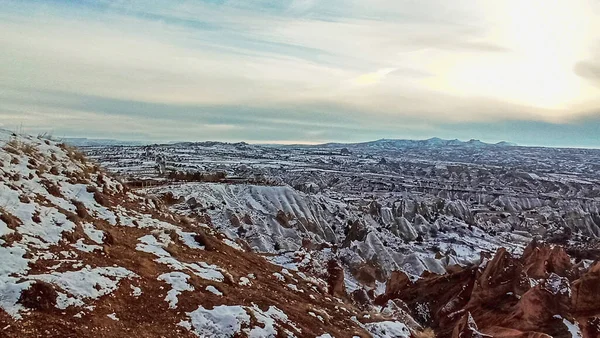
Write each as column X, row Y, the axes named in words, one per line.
column 235, row 221
column 78, row 156
column 169, row 199
column 39, row 296
column 426, row 333
column 41, row 169
column 73, row 153
column 172, row 234
column 53, row 190
column 100, row 198
column 73, row 217
column 13, row 237
column 29, row 149
column 203, row 239
column 247, row 219
column 14, row 146
column 11, row 221
column 185, row 221
column 109, row 239
column 13, row 143
column 70, row 236
column 14, row 160
column 100, row 179
column 80, row 209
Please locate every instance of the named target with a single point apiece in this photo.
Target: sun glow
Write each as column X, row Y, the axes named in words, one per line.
column 544, row 41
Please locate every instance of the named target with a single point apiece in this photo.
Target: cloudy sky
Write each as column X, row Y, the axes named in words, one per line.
column 303, row 70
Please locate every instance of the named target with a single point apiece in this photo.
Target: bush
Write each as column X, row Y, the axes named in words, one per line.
column 39, row 296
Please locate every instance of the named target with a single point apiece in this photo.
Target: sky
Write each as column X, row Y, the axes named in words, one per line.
column 303, row 71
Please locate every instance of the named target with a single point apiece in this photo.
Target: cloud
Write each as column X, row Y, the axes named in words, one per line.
column 267, row 70
column 373, row 78
column 589, row 70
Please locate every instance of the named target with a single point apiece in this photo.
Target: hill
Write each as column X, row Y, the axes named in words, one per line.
column 83, row 255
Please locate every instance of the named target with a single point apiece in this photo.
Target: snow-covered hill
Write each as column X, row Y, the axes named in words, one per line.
column 81, row 255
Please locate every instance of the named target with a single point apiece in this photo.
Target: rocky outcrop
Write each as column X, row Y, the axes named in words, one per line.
column 586, row 292
column 336, row 279
column 540, row 294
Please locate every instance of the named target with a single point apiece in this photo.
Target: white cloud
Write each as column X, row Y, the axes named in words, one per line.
column 391, row 60
column 373, row 78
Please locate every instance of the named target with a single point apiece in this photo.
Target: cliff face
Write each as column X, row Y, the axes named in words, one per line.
column 540, row 294
column 81, row 255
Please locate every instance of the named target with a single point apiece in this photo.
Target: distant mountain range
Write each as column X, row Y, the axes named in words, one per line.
column 378, row 144
column 398, row 143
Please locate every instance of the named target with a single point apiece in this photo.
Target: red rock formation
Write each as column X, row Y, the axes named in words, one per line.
column 586, row 292
column 539, row 261
column 467, row 328
column 337, row 287
column 538, row 295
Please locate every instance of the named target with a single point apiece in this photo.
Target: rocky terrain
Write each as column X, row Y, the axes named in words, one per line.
column 542, row 293
column 392, row 238
column 82, row 255
column 402, row 226
column 393, row 202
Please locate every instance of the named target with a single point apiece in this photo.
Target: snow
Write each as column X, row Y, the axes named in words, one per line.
column 294, row 287
column 10, row 292
column 93, row 234
column 113, row 316
column 79, row 245
column 221, row 322
column 178, row 282
column 188, row 239
column 574, row 329
column 4, row 229
column 48, row 231
column 136, row 291
column 244, row 281
column 151, row 245
column 557, row 285
column 214, row 290
column 226, row 321
column 87, row 282
column 232, row 244
column 268, row 320
column 63, row 301
column 200, row 269
column 388, row 329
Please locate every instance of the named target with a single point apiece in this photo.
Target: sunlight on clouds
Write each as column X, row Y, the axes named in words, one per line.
column 350, row 62
column 547, row 40
column 373, row 78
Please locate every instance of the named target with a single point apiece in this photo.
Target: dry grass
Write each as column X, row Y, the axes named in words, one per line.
column 16, row 147
column 73, row 153
column 11, row 221
column 426, row 333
